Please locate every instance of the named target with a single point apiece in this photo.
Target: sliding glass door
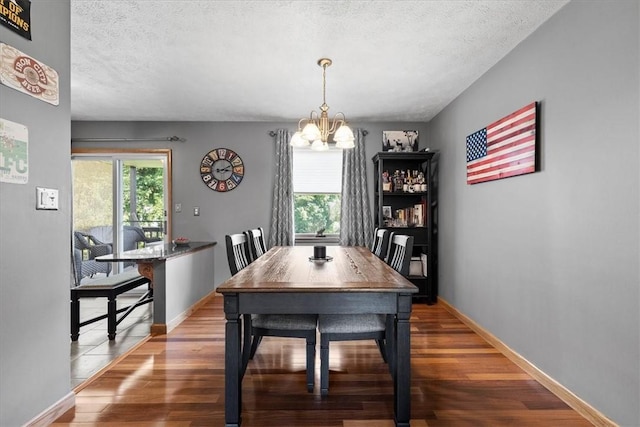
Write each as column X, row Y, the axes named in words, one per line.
column 121, row 199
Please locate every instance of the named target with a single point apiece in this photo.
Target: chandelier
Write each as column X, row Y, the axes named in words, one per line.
column 318, row 127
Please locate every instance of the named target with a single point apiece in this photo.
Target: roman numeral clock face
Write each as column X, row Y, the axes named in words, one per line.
column 221, row 170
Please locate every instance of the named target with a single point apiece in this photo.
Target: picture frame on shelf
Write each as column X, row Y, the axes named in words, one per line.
column 400, row 141
column 386, row 212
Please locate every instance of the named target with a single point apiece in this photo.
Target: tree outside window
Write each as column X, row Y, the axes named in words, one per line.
column 313, row 212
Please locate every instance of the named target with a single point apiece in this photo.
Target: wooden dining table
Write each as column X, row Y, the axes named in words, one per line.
column 351, row 280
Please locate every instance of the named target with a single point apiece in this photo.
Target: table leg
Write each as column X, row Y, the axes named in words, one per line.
column 390, row 338
column 233, row 363
column 402, row 377
column 246, row 338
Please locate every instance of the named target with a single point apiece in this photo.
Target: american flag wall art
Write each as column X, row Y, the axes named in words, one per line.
column 505, row 148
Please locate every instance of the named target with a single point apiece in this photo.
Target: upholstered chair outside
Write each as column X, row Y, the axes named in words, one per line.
column 276, row 325
column 257, row 244
column 89, row 248
column 350, row 327
column 380, row 242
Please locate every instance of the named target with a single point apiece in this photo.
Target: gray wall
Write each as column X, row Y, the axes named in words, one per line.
column 248, row 205
column 548, row 262
column 35, row 245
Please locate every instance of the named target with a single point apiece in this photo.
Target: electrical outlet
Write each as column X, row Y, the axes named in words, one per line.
column 46, row 198
column 196, row 211
column 178, row 207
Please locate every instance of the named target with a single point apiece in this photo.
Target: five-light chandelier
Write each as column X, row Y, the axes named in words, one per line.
column 318, row 127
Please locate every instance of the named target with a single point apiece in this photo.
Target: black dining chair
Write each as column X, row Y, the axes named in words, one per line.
column 257, row 244
column 275, row 325
column 399, row 253
column 350, row 327
column 380, row 242
column 237, row 252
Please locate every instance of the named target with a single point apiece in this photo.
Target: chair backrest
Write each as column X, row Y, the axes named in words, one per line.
column 257, row 245
column 84, row 240
column 380, row 242
column 131, row 235
column 400, row 250
column 237, row 252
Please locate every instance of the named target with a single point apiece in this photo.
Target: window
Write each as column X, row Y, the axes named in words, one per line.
column 317, row 184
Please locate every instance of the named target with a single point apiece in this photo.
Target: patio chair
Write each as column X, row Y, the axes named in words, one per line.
column 86, row 249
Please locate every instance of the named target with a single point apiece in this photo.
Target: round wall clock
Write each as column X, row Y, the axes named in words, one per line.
column 221, row 169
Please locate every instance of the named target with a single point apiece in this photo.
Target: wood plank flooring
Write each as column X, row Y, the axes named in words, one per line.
column 177, row 380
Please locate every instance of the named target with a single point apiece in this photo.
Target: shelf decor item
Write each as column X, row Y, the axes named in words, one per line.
column 400, row 141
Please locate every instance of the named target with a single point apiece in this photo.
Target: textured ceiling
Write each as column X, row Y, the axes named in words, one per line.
column 188, row 60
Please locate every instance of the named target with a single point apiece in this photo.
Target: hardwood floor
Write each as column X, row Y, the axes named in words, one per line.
column 177, row 380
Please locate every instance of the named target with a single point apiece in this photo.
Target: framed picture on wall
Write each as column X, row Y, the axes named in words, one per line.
column 399, row 140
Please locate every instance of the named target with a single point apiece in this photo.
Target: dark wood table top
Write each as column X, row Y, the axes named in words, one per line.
column 288, row 269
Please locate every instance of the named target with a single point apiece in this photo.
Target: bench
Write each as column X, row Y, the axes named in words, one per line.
column 109, row 287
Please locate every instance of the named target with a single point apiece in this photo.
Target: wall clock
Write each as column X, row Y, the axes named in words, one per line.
column 221, row 169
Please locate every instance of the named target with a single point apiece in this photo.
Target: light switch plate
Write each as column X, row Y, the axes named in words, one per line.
column 46, row 198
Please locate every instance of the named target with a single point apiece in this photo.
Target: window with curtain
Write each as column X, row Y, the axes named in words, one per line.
column 317, row 183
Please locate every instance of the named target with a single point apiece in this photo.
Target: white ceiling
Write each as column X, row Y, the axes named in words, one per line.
column 188, row 60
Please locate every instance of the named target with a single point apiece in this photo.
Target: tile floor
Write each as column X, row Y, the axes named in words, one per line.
column 93, row 350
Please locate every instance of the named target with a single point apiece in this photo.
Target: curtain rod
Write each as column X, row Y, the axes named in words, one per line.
column 273, row 133
column 162, row 138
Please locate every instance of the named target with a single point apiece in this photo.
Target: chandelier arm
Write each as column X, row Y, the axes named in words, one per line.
column 338, row 120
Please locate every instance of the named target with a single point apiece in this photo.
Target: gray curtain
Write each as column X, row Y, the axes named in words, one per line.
column 282, row 208
column 356, row 227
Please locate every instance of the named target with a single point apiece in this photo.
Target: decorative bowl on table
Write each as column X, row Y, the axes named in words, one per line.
column 180, row 241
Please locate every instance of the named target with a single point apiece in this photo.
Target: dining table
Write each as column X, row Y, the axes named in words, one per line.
column 348, row 280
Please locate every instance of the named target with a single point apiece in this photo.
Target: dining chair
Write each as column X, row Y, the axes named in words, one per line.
column 350, row 327
column 237, row 252
column 257, row 244
column 380, row 242
column 275, row 325
column 399, row 253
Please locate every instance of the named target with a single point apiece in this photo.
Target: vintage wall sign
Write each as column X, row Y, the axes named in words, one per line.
column 24, row 73
column 16, row 15
column 14, row 152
